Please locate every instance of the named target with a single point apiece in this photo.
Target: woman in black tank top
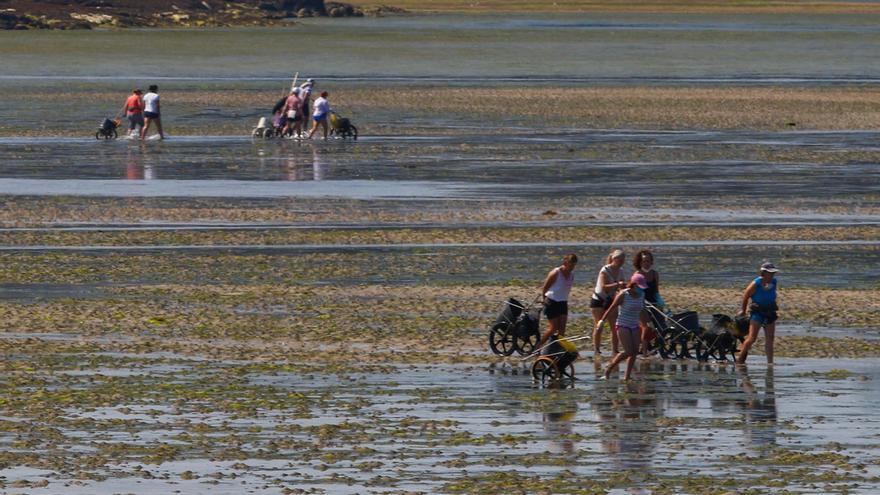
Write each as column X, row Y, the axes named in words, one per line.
column 643, row 263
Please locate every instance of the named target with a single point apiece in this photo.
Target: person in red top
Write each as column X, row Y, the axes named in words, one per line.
column 134, row 110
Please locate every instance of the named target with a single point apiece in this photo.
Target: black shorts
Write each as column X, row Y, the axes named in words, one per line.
column 597, row 303
column 555, row 308
column 151, row 115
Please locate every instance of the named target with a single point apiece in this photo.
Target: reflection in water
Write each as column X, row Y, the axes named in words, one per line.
column 627, row 417
column 759, row 410
column 558, row 427
column 134, row 167
column 319, row 166
column 297, row 168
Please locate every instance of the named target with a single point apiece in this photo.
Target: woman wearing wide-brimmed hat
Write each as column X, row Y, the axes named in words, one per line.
column 763, row 308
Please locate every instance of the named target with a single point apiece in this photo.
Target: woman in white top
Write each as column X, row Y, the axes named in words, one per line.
column 630, row 303
column 610, row 280
column 554, row 294
column 322, row 111
column 152, row 112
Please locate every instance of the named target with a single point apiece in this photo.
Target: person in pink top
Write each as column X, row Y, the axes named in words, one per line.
column 293, row 112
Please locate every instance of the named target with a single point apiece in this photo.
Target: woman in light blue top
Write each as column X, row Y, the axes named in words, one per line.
column 762, row 292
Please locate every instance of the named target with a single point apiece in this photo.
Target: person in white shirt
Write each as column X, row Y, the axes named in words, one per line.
column 320, row 115
column 554, row 295
column 152, row 112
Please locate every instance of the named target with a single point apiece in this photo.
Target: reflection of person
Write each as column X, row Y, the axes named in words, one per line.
column 557, row 425
column 320, row 115
column 554, row 294
column 152, row 112
column 628, row 424
column 133, row 168
column 631, row 303
column 319, row 165
column 762, row 292
column 644, row 264
column 133, row 109
column 760, row 410
column 607, row 284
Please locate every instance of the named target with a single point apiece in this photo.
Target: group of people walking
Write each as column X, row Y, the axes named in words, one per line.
column 291, row 114
column 620, row 301
column 142, row 110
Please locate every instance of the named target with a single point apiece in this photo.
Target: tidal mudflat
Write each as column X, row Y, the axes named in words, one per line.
column 215, row 313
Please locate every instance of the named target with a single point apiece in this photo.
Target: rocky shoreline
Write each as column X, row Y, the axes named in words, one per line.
column 88, row 14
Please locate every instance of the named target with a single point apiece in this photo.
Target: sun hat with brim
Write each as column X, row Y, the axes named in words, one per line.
column 639, row 280
column 769, row 267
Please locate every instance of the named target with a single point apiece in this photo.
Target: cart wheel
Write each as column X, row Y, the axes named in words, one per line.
column 354, row 133
column 258, row 133
column 545, row 370
column 98, row 135
column 500, row 341
column 526, row 345
column 269, row 133
column 114, row 134
column 568, row 372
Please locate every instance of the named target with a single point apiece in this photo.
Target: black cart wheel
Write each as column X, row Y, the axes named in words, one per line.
column 568, row 372
column 525, row 345
column 544, row 370
column 500, row 340
column 353, row 133
column 112, row 134
column 98, row 135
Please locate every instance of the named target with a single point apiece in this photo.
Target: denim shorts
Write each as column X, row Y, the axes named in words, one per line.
column 762, row 318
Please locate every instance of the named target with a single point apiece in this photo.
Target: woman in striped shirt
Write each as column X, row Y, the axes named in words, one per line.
column 631, row 302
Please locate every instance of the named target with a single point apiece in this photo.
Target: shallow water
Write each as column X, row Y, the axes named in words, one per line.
column 471, row 48
column 517, row 166
column 677, row 420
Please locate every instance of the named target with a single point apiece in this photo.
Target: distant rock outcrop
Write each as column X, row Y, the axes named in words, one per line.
column 86, row 14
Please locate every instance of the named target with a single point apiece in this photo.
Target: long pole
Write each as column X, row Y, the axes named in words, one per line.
column 293, row 85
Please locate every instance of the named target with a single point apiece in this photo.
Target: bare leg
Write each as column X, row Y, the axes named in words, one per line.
column 146, row 127
column 612, row 323
column 620, row 356
column 554, row 326
column 630, row 363
column 643, row 326
column 159, row 127
column 754, row 327
column 597, row 331
column 769, row 336
column 313, row 129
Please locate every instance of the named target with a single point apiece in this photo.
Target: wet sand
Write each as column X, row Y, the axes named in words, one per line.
column 405, row 110
column 217, row 313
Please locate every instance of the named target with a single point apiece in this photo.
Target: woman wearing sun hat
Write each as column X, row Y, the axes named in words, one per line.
column 630, row 303
column 762, row 293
